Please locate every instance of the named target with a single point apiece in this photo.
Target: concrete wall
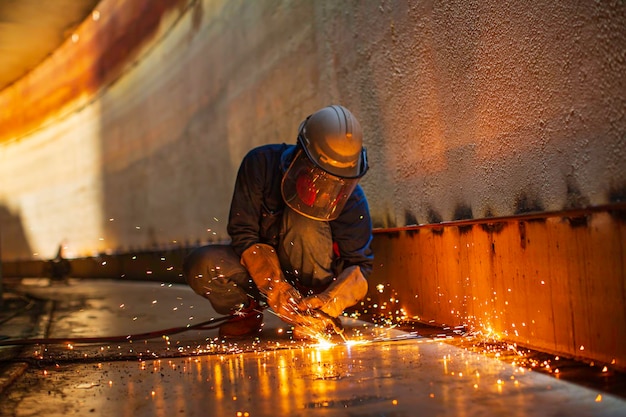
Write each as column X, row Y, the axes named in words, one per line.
column 129, row 136
column 131, row 133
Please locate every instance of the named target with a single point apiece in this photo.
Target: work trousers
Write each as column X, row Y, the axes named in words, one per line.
column 305, row 252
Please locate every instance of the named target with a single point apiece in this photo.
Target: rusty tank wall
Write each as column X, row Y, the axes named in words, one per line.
column 129, row 136
column 554, row 282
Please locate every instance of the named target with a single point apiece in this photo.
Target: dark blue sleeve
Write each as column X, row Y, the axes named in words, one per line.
column 257, row 204
column 245, row 209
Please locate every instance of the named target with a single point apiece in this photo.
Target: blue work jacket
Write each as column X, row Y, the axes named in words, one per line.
column 257, row 207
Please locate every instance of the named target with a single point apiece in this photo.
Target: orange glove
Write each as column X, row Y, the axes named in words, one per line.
column 345, row 291
column 262, row 264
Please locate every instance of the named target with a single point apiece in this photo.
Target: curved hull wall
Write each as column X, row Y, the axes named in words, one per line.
column 130, row 135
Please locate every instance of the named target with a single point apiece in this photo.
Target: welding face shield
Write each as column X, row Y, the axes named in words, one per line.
column 329, row 161
column 314, row 192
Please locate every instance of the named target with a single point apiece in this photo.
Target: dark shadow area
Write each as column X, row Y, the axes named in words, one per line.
column 13, row 241
column 58, row 268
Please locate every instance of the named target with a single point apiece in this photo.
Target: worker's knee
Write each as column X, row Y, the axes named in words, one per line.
column 215, row 273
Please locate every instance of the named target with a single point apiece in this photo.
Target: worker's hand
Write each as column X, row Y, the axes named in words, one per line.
column 284, row 299
column 263, row 266
column 345, row 291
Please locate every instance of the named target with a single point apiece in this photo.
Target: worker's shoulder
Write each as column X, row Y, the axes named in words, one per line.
column 270, row 148
column 268, row 151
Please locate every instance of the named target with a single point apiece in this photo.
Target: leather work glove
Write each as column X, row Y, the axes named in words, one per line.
column 262, row 264
column 345, row 291
column 317, row 325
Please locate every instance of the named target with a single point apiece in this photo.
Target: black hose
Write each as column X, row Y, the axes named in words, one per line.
column 28, row 304
column 205, row 325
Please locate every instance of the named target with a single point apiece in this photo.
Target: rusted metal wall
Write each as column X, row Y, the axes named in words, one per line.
column 556, row 283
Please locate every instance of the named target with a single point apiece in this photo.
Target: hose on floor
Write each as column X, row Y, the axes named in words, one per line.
column 213, row 323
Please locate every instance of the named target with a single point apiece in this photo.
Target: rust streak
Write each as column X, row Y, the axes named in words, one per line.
column 77, row 71
column 491, row 223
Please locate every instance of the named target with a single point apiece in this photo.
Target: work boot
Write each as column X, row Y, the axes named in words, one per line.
column 247, row 322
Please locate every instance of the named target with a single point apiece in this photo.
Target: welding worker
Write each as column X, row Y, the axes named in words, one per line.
column 300, row 232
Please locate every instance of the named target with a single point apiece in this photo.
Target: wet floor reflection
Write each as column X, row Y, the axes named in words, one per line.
column 382, row 371
column 382, row 378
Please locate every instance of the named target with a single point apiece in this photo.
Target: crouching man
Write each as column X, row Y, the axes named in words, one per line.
column 300, row 232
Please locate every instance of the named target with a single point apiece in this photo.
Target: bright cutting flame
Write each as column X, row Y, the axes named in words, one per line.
column 357, row 342
column 323, row 344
